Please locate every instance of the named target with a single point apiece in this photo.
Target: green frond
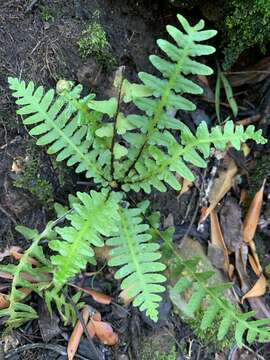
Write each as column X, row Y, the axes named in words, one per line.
column 157, row 167
column 137, row 258
column 17, row 312
column 56, row 124
column 216, row 306
column 96, row 215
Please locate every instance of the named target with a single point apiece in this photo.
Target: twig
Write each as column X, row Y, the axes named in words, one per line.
column 57, row 348
column 30, row 6
column 196, row 209
column 115, row 125
column 8, row 215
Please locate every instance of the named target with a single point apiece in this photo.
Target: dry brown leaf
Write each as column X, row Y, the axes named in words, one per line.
column 5, row 275
column 4, row 302
column 91, row 328
column 186, row 185
column 97, row 296
column 252, row 218
column 123, row 296
column 7, row 251
column 105, row 333
column 217, row 239
column 254, row 266
column 221, row 185
column 76, row 335
column 258, row 289
column 252, row 75
column 18, row 255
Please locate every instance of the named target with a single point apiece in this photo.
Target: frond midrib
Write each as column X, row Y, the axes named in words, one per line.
column 63, row 135
column 131, row 249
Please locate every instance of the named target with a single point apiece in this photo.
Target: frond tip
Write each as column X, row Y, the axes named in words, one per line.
column 137, row 258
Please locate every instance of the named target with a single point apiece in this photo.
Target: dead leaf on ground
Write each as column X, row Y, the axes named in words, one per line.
column 18, row 255
column 97, row 296
column 105, row 333
column 221, row 185
column 186, row 185
column 250, row 224
column 76, row 335
column 251, row 75
column 254, row 266
column 231, row 224
column 218, row 241
column 4, row 302
column 258, row 289
column 8, row 251
column 253, row 215
column 123, row 296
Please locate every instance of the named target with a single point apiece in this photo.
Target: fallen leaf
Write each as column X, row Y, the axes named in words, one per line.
column 231, row 224
column 186, row 185
column 258, row 289
column 221, row 185
column 91, row 328
column 5, row 275
column 105, row 333
column 76, row 335
column 218, row 241
column 97, row 296
column 17, row 255
column 4, row 302
column 252, row 218
column 7, row 251
column 124, row 298
column 251, row 75
column 254, row 266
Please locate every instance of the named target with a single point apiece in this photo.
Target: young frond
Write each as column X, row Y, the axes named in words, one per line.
column 216, row 306
column 94, row 216
column 56, row 124
column 137, row 258
column 26, row 275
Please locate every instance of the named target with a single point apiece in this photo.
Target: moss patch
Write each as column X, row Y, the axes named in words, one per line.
column 247, row 23
column 94, row 43
column 159, row 346
column 30, row 178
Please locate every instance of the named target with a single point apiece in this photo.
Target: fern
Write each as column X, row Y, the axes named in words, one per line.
column 95, row 216
column 137, row 257
column 121, row 153
column 217, row 305
column 17, row 312
column 56, row 122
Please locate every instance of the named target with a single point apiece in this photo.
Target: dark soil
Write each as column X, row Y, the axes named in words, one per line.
column 44, row 49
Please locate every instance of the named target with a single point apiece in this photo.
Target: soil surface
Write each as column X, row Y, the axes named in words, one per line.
column 38, row 41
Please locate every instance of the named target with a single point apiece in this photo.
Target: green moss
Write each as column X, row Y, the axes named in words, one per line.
column 31, row 180
column 261, row 171
column 155, row 349
column 247, row 23
column 94, row 42
column 46, row 16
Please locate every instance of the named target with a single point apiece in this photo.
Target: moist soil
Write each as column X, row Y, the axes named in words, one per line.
column 38, row 41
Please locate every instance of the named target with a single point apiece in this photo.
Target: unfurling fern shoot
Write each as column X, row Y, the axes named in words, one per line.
column 139, row 151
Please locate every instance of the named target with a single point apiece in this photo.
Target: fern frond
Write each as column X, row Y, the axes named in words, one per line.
column 216, row 305
column 137, row 258
column 96, row 215
column 56, row 124
column 157, row 166
column 17, row 312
